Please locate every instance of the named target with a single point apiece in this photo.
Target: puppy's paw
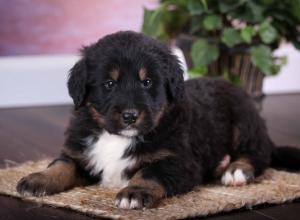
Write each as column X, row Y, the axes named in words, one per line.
column 135, row 197
column 238, row 173
column 35, row 184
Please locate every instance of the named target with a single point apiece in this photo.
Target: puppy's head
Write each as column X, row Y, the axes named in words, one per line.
column 126, row 80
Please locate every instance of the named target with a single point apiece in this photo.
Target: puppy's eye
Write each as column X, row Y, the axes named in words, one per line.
column 109, row 84
column 147, row 83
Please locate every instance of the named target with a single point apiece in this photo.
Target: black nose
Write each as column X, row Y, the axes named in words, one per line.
column 130, row 116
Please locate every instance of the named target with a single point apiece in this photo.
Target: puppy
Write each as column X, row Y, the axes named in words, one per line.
column 138, row 126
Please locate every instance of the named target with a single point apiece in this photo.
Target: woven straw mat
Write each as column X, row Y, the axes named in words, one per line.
column 274, row 187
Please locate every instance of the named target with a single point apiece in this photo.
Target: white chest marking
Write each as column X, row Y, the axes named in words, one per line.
column 106, row 155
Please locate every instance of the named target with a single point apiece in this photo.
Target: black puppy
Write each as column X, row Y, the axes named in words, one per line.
column 138, row 126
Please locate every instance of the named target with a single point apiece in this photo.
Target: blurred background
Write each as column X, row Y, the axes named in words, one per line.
column 253, row 43
column 39, row 42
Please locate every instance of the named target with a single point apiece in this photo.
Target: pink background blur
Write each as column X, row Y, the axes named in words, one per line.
column 63, row 26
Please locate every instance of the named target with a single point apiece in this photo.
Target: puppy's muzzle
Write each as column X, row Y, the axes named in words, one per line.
column 130, row 116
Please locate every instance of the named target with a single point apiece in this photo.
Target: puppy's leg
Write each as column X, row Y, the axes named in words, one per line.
column 140, row 193
column 250, row 140
column 253, row 157
column 238, row 173
column 60, row 175
column 160, row 179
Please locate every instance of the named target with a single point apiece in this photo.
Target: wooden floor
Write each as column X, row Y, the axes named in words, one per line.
column 36, row 133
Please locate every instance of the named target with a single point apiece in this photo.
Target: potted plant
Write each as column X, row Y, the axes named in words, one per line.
column 234, row 39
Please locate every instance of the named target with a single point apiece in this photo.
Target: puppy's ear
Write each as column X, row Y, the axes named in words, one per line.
column 175, row 83
column 77, row 82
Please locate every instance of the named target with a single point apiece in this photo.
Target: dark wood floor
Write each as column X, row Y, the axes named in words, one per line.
column 36, row 133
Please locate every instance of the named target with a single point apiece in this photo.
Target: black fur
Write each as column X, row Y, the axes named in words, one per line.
column 194, row 121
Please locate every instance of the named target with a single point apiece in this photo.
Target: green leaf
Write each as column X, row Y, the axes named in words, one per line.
column 232, row 78
column 212, row 22
column 247, row 33
column 204, row 2
column 174, row 21
column 275, row 69
column 268, row 2
column 195, row 7
column 267, row 32
column 195, row 24
column 256, row 10
column 295, row 8
column 199, row 70
column 278, row 62
column 180, row 3
column 231, row 37
column 203, row 53
column 228, row 5
column 152, row 25
column 261, row 56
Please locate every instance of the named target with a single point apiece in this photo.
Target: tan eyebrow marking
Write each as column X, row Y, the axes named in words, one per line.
column 142, row 74
column 114, row 74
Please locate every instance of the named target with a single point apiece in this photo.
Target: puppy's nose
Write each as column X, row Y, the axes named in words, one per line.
column 130, row 116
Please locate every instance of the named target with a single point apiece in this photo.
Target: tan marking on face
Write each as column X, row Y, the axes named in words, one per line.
column 140, row 118
column 142, row 74
column 159, row 115
column 114, row 74
column 97, row 116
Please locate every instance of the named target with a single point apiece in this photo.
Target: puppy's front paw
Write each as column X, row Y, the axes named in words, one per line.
column 35, row 184
column 135, row 197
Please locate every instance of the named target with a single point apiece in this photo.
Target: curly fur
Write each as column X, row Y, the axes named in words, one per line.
column 183, row 132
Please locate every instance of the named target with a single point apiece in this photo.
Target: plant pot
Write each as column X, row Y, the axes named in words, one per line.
column 235, row 61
